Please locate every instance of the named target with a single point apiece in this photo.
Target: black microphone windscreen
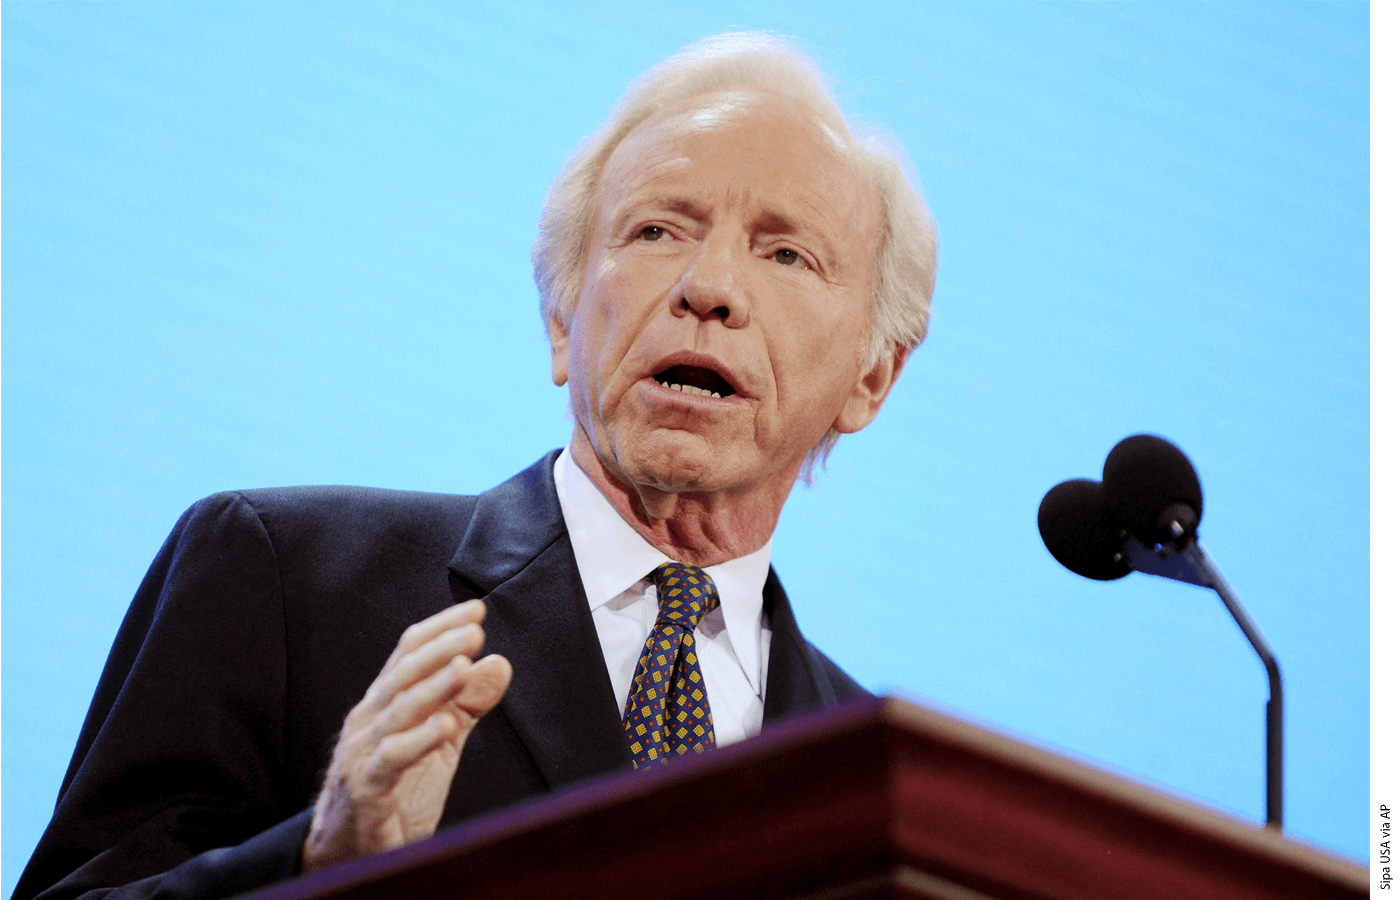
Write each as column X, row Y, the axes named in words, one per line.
column 1079, row 531
column 1143, row 476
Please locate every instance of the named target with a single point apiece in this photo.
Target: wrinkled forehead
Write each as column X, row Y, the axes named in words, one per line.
column 779, row 138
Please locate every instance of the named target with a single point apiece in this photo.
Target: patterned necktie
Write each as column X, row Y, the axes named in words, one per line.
column 668, row 711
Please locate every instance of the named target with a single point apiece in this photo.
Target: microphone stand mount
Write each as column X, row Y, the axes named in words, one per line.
column 1190, row 563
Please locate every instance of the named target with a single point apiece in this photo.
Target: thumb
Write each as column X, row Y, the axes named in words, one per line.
column 486, row 684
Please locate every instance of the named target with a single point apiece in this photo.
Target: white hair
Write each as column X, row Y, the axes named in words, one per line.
column 907, row 257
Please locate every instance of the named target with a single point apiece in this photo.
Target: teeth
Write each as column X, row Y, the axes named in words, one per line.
column 689, row 389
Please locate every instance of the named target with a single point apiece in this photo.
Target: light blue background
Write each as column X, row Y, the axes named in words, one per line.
column 250, row 245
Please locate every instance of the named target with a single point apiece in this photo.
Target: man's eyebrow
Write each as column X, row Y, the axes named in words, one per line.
column 770, row 221
column 674, row 203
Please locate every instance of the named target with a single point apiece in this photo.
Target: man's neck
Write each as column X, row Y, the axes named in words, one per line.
column 699, row 528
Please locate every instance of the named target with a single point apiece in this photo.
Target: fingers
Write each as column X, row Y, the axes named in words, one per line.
column 425, row 648
column 401, row 750
column 465, row 689
column 473, row 612
column 427, row 696
column 452, row 712
column 422, row 663
column 441, row 708
column 436, row 677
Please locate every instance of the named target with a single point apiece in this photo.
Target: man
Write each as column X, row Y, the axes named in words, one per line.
column 729, row 280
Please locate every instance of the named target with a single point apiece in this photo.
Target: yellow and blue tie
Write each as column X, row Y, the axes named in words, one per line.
column 668, row 711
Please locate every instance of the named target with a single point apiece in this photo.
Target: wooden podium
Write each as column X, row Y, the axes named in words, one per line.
column 873, row 798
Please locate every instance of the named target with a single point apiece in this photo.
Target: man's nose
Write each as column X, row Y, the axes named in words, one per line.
column 714, row 285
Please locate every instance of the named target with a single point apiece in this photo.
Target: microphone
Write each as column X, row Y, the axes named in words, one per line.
column 1151, row 487
column 1143, row 517
column 1080, row 532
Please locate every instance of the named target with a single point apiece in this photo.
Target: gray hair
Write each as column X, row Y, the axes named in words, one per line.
column 908, row 253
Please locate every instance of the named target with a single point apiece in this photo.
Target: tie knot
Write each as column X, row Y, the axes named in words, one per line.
column 685, row 593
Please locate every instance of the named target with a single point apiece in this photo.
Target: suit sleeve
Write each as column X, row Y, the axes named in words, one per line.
column 177, row 785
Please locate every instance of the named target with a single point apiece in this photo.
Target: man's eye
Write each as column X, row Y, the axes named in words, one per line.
column 652, row 233
column 787, row 257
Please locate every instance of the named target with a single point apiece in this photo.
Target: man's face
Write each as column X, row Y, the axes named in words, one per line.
column 733, row 256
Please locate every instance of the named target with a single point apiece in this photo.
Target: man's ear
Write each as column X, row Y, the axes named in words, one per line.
column 558, row 348
column 869, row 393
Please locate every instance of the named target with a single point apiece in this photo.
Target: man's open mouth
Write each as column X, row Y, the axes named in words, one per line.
column 694, row 380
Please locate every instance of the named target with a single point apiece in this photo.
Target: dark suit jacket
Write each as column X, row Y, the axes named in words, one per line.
column 263, row 620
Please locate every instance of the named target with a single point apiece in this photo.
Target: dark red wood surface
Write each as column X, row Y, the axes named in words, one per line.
column 875, row 798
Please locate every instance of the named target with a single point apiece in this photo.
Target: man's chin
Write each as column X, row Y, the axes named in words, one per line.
column 679, row 466
column 676, row 476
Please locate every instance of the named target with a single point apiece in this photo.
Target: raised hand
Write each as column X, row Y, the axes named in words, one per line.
column 398, row 750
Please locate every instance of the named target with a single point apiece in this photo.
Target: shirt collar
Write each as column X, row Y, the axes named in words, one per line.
column 612, row 557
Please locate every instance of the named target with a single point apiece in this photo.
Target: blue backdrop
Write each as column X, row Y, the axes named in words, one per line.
column 249, row 245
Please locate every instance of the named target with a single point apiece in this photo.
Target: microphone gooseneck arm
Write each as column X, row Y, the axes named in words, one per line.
column 1193, row 565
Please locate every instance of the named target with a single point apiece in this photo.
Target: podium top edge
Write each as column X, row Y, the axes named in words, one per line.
column 923, row 723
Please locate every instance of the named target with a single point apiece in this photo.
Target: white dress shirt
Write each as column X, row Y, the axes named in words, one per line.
column 614, row 561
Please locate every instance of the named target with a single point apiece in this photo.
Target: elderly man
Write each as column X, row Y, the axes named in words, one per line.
column 730, row 280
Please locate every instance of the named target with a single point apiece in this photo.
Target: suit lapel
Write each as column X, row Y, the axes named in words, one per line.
column 794, row 684
column 516, row 556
